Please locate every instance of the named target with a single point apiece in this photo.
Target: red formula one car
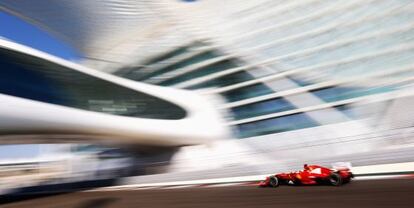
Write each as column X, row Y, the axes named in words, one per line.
column 310, row 175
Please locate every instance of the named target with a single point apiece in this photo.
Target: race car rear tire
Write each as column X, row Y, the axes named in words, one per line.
column 335, row 179
column 273, row 181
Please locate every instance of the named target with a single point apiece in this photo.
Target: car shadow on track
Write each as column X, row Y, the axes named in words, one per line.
column 49, row 190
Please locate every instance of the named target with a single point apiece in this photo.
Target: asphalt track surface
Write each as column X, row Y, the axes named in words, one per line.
column 371, row 193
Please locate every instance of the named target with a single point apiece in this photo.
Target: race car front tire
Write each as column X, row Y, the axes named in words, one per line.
column 335, row 179
column 273, row 181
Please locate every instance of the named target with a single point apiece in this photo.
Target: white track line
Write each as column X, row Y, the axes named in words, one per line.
column 255, row 183
column 383, row 171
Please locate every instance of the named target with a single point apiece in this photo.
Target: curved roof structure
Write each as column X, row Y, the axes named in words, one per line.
column 278, row 65
column 48, row 97
column 104, row 31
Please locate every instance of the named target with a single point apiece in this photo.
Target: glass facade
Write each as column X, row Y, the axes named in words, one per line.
column 247, row 92
column 139, row 75
column 168, row 55
column 332, row 94
column 275, row 125
column 223, row 81
column 203, row 71
column 187, row 62
column 37, row 79
column 261, row 108
column 301, row 56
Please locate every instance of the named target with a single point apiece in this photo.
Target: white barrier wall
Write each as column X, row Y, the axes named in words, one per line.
column 385, row 139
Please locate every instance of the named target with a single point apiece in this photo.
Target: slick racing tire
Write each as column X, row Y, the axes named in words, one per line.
column 274, row 182
column 335, row 179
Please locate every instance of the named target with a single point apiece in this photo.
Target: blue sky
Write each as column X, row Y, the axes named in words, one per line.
column 19, row 31
column 18, row 151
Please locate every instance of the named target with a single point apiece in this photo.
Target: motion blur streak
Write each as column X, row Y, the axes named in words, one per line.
column 386, row 193
column 187, row 90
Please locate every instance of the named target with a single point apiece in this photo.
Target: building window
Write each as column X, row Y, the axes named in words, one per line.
column 216, row 67
column 261, row 108
column 275, row 125
column 223, row 81
column 247, row 92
